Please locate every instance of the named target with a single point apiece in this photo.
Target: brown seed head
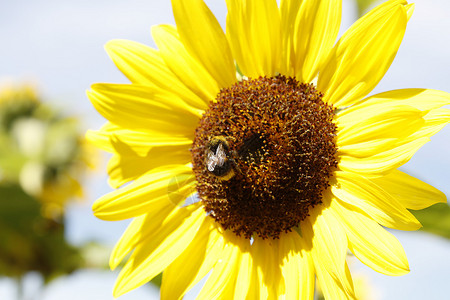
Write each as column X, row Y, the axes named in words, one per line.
column 280, row 146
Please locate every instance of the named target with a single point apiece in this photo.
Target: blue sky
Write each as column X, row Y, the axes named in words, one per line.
column 59, row 46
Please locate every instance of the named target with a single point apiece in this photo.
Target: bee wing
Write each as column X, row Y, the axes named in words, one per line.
column 221, row 156
column 211, row 161
column 216, row 159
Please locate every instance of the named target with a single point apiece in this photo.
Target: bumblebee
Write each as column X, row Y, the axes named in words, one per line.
column 219, row 158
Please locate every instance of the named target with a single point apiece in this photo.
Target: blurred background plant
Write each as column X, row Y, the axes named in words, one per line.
column 42, row 159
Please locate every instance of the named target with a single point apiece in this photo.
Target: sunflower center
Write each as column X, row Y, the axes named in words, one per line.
column 263, row 154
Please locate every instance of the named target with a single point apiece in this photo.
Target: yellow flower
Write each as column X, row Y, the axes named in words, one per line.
column 284, row 165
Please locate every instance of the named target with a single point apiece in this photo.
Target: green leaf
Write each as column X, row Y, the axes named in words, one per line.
column 157, row 280
column 363, row 5
column 435, row 219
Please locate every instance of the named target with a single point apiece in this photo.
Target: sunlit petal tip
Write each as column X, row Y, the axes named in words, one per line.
column 418, row 225
column 360, row 194
column 119, row 289
column 89, row 93
column 113, row 45
column 113, row 263
column 98, row 209
column 363, row 55
column 94, row 138
column 97, row 206
column 410, row 10
column 116, row 46
column 442, row 198
column 403, row 270
column 410, row 191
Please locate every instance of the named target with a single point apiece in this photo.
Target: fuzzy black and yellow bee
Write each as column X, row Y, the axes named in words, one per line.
column 219, row 159
column 222, row 162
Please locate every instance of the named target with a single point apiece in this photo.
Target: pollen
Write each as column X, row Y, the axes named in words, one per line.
column 280, row 154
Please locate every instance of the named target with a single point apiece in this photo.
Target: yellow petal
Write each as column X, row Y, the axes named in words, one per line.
column 244, row 276
column 155, row 190
column 315, row 32
column 204, row 39
column 140, row 228
column 194, row 263
column 125, row 165
column 366, row 148
column 185, row 67
column 329, row 251
column 392, row 122
column 358, row 113
column 410, row 10
column 144, row 65
column 331, row 287
column 221, row 283
column 422, row 99
column 296, row 266
column 140, row 107
column 361, row 194
column 371, row 243
column 289, row 10
column 154, row 253
column 127, row 241
column 266, row 260
column 425, row 100
column 253, row 32
column 140, row 142
column 410, row 191
column 363, row 55
column 255, row 288
column 383, row 162
column 100, row 138
column 139, row 63
column 435, row 120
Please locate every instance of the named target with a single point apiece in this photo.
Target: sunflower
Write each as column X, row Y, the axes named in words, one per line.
column 254, row 156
